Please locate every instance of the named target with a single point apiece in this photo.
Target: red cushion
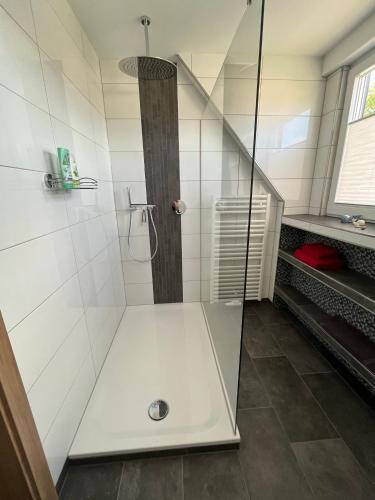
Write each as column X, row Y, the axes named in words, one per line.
column 319, row 251
column 333, row 264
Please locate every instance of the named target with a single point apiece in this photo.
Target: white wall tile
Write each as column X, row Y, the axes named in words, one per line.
column 56, row 41
column 28, row 210
column 137, row 272
column 139, row 246
column 298, row 97
column 207, row 64
column 296, row 192
column 61, row 434
column 190, row 221
column 30, row 129
column 36, row 339
column 112, row 74
column 239, row 96
column 41, row 292
column 128, row 166
column 20, row 10
column 69, row 20
column 191, row 270
column 139, row 294
column 220, row 165
column 215, row 138
column 99, row 127
column 243, row 126
column 138, row 227
column 190, row 246
column 189, row 135
column 125, row 135
column 189, row 166
column 286, row 163
column 33, row 271
column 54, row 383
column 122, row 100
column 190, row 103
column 89, row 238
column 191, row 291
column 103, row 342
column 288, row 132
column 190, row 194
column 20, row 68
column 292, row 67
column 90, row 55
column 137, row 193
column 216, row 189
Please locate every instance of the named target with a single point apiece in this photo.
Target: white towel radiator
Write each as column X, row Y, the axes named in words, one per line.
column 228, row 248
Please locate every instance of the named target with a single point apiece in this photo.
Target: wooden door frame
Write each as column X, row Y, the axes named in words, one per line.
column 24, row 472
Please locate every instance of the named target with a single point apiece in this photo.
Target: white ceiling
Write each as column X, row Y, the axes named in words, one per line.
column 299, row 27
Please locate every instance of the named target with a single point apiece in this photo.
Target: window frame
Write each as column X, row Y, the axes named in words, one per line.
column 333, row 208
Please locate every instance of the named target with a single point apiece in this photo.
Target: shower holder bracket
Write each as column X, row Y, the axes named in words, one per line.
column 55, row 183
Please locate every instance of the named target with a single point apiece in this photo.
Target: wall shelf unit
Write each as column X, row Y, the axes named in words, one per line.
column 353, row 285
column 337, row 307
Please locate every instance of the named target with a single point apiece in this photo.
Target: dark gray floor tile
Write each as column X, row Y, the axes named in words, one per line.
column 268, row 314
column 92, row 482
column 156, row 479
column 259, row 341
column 251, row 390
column 214, row 476
column 332, row 471
column 268, row 462
column 353, row 419
column 296, row 407
column 303, row 355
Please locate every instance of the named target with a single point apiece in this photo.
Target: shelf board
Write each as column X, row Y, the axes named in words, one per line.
column 355, row 286
column 343, row 339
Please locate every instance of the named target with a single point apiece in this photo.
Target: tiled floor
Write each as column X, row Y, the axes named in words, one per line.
column 304, row 435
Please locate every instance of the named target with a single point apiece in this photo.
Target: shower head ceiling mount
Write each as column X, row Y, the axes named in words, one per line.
column 147, row 67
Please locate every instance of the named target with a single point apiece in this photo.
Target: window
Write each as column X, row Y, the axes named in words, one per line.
column 356, row 184
column 353, row 187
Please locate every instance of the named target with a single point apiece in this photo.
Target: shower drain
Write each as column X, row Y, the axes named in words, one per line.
column 158, row 409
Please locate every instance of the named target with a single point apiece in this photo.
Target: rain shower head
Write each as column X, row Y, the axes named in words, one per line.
column 147, row 67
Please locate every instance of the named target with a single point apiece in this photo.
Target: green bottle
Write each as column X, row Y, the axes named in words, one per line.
column 68, row 169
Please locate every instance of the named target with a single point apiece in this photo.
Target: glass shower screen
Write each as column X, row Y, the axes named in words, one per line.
column 227, row 204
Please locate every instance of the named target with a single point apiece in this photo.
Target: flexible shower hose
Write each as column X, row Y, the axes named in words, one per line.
column 149, row 210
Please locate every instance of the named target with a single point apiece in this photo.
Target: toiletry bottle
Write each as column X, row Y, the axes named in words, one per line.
column 65, row 168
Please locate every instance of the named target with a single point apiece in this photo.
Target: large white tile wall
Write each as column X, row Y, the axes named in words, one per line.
column 291, row 100
column 224, row 169
column 122, row 108
column 61, row 288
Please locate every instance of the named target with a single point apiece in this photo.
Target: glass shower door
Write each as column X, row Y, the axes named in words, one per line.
column 233, row 220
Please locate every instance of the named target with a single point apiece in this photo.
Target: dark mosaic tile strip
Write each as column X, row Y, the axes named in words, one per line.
column 358, row 258
column 330, row 301
column 159, row 116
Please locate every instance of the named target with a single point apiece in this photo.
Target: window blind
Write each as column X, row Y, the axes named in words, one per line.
column 356, row 184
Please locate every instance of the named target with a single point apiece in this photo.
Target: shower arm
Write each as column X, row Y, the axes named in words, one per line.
column 146, row 21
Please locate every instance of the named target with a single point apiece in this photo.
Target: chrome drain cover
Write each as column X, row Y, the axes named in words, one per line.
column 158, row 409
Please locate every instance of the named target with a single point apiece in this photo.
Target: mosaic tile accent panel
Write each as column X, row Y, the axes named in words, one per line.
column 357, row 258
column 326, row 298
